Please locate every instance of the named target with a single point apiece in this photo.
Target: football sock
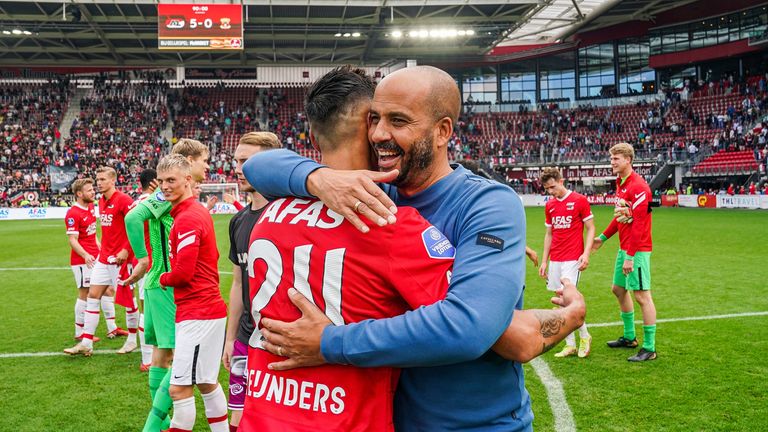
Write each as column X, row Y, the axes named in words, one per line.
column 629, row 324
column 157, row 419
column 583, row 332
column 570, row 340
column 132, row 321
column 649, row 337
column 183, row 414
column 156, row 375
column 80, row 306
column 91, row 321
column 216, row 410
column 108, row 306
column 146, row 350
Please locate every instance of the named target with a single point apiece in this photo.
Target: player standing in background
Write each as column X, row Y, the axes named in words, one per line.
column 115, row 250
column 81, row 232
column 160, row 309
column 148, row 180
column 565, row 218
column 240, row 325
column 632, row 271
column 201, row 313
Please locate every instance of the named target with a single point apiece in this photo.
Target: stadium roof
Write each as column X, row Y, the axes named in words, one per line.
column 372, row 32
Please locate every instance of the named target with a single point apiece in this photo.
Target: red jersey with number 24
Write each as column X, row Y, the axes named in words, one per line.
column 566, row 217
column 82, row 222
column 351, row 277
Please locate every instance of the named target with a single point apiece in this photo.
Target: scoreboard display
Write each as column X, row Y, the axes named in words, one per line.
column 200, row 26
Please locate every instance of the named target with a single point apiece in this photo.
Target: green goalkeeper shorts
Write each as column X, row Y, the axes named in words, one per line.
column 160, row 318
column 640, row 278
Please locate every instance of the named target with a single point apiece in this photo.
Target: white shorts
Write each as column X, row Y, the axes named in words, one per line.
column 561, row 269
column 82, row 275
column 105, row 274
column 199, row 346
column 141, row 288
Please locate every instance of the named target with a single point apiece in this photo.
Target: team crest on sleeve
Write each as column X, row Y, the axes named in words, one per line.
column 437, row 245
column 70, row 221
column 159, row 196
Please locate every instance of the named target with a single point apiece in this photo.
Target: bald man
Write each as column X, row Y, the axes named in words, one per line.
column 453, row 380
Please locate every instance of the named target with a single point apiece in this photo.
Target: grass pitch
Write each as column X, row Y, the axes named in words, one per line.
column 711, row 374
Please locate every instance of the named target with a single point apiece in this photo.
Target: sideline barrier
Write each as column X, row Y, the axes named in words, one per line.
column 32, row 213
column 693, row 201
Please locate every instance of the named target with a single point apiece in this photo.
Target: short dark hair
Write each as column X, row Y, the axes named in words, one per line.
column 336, row 93
column 146, row 177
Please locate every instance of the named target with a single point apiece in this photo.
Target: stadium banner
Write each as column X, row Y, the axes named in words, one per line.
column 61, row 177
column 31, row 213
column 738, row 201
column 200, row 26
column 534, row 200
column 220, row 73
column 687, row 200
column 669, row 201
column 708, row 201
column 601, row 199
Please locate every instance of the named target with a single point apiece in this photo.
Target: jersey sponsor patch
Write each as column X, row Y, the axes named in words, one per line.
column 485, row 239
column 438, row 246
column 159, row 196
column 70, row 221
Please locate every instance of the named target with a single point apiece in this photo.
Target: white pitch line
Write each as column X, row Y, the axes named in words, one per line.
column 62, row 268
column 555, row 395
column 696, row 318
column 49, row 354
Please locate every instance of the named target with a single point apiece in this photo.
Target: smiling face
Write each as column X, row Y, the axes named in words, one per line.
column 621, row 164
column 175, row 184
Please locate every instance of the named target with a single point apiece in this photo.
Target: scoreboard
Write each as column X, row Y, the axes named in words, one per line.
column 200, row 26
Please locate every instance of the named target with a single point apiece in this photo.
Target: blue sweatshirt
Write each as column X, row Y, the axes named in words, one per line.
column 452, row 380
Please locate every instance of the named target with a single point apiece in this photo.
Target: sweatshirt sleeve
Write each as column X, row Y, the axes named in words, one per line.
column 479, row 305
column 640, row 216
column 279, row 173
column 187, row 248
column 612, row 229
column 134, row 226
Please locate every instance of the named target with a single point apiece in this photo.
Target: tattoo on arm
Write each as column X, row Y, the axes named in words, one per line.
column 551, row 322
column 545, row 347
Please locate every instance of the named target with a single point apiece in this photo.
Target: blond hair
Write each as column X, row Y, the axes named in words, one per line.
column 109, row 170
column 79, row 184
column 623, row 149
column 550, row 173
column 190, row 148
column 175, row 161
column 266, row 140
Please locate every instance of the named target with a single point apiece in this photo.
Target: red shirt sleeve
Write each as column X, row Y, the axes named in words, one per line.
column 612, row 229
column 640, row 215
column 586, row 210
column 237, row 205
column 72, row 223
column 547, row 214
column 420, row 259
column 185, row 247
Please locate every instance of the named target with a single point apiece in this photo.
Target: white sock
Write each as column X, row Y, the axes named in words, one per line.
column 216, row 410
column 91, row 321
column 146, row 350
column 80, row 306
column 184, row 414
column 108, row 306
column 132, row 321
column 583, row 332
column 570, row 340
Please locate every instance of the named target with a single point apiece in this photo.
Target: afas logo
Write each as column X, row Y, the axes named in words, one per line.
column 36, row 213
column 4, row 213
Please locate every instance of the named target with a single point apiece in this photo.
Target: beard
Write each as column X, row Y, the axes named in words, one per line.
column 415, row 161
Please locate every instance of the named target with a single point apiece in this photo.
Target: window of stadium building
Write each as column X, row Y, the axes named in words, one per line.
column 481, row 86
column 635, row 75
column 597, row 77
column 711, row 31
column 518, row 83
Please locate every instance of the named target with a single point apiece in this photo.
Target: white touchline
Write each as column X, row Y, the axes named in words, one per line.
column 556, row 395
column 696, row 318
column 49, row 354
column 63, row 268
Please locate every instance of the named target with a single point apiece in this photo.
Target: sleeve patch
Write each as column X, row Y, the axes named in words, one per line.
column 485, row 239
column 70, row 221
column 437, row 245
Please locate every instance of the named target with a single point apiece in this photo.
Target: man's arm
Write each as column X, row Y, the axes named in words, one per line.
column 75, row 244
column 533, row 332
column 280, row 173
column 545, row 254
column 235, row 311
column 134, row 227
column 589, row 242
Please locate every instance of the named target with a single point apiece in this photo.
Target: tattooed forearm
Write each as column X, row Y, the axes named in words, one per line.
column 551, row 322
column 546, row 347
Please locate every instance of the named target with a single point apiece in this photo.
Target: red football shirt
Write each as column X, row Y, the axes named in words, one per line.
column 635, row 236
column 351, row 277
column 566, row 217
column 113, row 235
column 194, row 257
column 82, row 222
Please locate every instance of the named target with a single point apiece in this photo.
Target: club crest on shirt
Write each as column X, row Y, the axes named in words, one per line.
column 569, row 206
column 437, row 245
column 70, row 221
column 159, row 196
